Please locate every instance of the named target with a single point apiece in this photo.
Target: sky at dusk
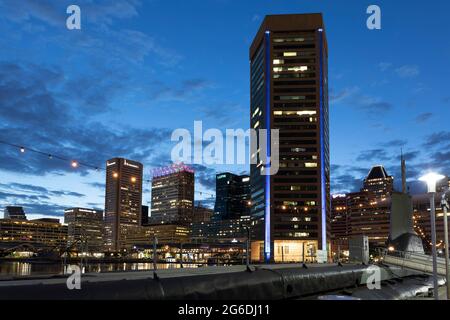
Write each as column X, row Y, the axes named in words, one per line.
column 137, row 70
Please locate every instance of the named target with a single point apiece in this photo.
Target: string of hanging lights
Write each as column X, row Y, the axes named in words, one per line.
column 73, row 163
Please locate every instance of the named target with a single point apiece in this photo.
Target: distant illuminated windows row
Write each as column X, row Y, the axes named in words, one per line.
column 297, row 39
column 294, row 68
column 292, row 113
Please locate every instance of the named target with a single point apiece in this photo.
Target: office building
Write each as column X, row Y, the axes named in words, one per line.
column 232, row 196
column 368, row 216
column 85, row 229
column 13, row 212
column 422, row 219
column 339, row 223
column 364, row 213
column 378, row 182
column 226, row 231
column 165, row 234
column 202, row 214
column 123, row 201
column 172, row 195
column 39, row 233
column 443, row 184
column 289, row 92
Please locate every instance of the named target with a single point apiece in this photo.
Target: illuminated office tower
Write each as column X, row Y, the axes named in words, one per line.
column 123, row 201
column 85, row 229
column 172, row 195
column 232, row 196
column 379, row 183
column 289, row 92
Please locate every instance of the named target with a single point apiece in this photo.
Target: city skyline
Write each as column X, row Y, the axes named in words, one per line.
column 369, row 93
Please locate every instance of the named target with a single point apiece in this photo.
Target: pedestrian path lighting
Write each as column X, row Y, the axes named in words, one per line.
column 431, row 179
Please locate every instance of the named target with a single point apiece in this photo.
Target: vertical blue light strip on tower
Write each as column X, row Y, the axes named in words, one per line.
column 322, row 148
column 267, row 249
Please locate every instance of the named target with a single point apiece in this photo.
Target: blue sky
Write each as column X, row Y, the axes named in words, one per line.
column 139, row 69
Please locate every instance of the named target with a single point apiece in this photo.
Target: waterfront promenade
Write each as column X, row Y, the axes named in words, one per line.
column 267, row 282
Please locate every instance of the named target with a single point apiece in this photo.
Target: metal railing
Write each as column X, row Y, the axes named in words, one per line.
column 413, row 260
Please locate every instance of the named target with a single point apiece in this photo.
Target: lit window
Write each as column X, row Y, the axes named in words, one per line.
column 306, row 113
column 290, row 54
column 277, row 69
column 278, row 61
column 301, row 234
column 297, row 69
column 310, row 165
column 292, row 97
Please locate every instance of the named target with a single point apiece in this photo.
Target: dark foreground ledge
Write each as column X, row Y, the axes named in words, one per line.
column 262, row 283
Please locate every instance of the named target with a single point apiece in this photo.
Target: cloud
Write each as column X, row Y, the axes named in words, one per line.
column 423, row 117
column 225, row 114
column 410, row 156
column 205, row 176
column 32, row 103
column 32, row 203
column 384, row 66
column 38, row 190
column 407, row 71
column 47, row 11
column 373, row 155
column 346, row 178
column 256, row 18
column 345, row 183
column 353, row 96
column 186, row 90
column 394, row 143
column 42, row 208
column 341, row 95
column 97, row 185
column 437, row 139
column 373, row 105
column 25, row 10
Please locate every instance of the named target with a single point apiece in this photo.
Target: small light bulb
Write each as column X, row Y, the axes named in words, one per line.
column 22, row 149
column 74, row 164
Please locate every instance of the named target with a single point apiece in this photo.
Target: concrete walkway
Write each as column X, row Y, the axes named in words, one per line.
column 162, row 273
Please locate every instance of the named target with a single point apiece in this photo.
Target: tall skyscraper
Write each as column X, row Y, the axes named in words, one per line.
column 85, row 229
column 232, row 196
column 378, row 182
column 289, row 92
column 172, row 195
column 122, row 202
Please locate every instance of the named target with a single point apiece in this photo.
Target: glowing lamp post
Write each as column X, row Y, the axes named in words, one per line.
column 445, row 208
column 431, row 179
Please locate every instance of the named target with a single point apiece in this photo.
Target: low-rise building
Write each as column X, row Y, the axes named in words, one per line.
column 44, row 232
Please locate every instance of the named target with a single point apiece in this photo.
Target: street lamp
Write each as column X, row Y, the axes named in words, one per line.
column 445, row 207
column 431, row 179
